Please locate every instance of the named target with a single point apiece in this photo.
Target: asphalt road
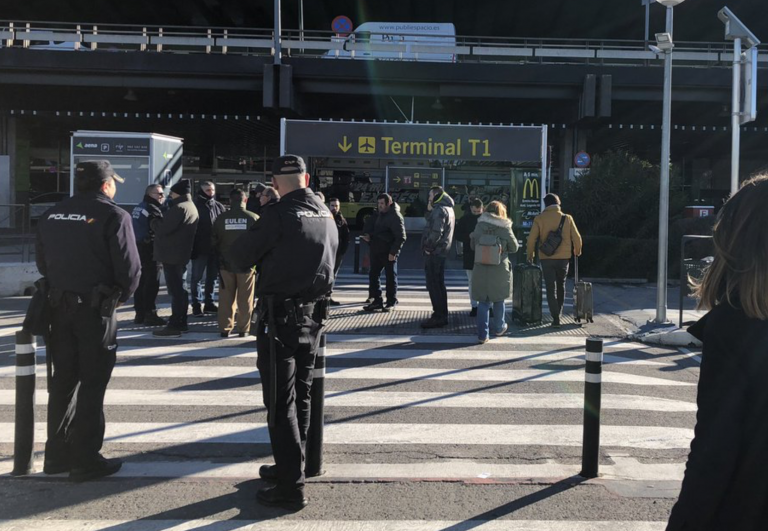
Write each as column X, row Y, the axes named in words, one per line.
column 422, row 432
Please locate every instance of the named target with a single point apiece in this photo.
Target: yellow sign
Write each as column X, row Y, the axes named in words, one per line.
column 344, row 146
column 366, row 145
column 529, row 187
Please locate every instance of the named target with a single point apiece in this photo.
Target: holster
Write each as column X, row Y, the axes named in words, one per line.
column 38, row 318
column 105, row 299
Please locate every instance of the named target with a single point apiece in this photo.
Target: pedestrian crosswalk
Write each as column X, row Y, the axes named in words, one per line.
column 403, row 411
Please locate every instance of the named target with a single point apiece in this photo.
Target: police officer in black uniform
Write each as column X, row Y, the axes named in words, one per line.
column 294, row 246
column 86, row 250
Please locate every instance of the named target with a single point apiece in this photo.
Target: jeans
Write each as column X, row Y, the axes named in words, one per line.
column 483, row 316
column 434, row 268
column 472, row 301
column 149, row 283
column 554, row 272
column 379, row 262
column 208, row 264
column 174, row 280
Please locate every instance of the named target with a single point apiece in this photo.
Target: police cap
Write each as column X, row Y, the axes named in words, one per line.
column 289, row 165
column 94, row 172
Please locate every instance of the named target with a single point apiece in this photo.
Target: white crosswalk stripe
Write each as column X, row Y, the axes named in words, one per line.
column 435, row 397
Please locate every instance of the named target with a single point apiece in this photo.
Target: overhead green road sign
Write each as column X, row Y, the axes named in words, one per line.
column 375, row 140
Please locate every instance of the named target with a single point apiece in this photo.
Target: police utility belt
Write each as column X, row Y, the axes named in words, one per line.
column 102, row 298
column 292, row 311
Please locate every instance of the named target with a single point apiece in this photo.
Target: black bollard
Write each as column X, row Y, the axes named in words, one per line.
column 24, row 437
column 314, row 459
column 592, row 395
column 357, row 255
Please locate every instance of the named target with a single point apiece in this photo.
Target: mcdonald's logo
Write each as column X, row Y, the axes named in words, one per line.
column 531, row 186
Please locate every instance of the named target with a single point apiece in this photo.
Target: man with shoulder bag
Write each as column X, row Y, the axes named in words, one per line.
column 557, row 236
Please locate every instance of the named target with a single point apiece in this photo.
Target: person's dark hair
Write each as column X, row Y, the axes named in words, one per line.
column 739, row 273
column 206, row 183
column 236, row 196
column 152, row 187
column 551, row 199
column 87, row 184
column 476, row 202
column 332, row 199
column 386, row 197
column 437, row 190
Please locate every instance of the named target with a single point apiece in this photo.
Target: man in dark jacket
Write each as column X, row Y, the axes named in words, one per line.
column 254, row 198
column 294, row 246
column 146, row 294
column 464, row 228
column 174, row 237
column 341, row 223
column 385, row 232
column 86, row 250
column 204, row 258
column 436, row 243
column 237, row 283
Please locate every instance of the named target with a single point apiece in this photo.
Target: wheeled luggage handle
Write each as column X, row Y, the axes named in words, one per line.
column 576, row 267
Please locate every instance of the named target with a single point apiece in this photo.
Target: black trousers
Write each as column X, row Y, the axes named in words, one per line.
column 174, row 281
column 204, row 265
column 149, row 284
column 434, row 269
column 554, row 273
column 82, row 346
column 379, row 262
column 296, row 348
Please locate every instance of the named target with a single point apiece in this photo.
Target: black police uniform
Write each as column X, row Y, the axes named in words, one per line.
column 294, row 246
column 87, row 250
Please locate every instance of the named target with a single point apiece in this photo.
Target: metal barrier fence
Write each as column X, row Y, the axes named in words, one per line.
column 17, row 239
column 691, row 269
column 326, row 44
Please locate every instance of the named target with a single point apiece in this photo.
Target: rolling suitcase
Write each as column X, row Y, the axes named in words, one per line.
column 526, row 294
column 583, row 304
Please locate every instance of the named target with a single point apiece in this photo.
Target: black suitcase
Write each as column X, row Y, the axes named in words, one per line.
column 583, row 303
column 526, row 294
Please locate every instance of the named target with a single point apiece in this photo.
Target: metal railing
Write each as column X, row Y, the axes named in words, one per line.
column 17, row 238
column 326, row 44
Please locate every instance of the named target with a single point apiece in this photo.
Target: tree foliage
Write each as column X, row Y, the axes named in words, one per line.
column 619, row 196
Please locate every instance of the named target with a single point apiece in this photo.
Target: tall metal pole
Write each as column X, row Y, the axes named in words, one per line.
column 661, row 289
column 735, row 115
column 278, row 35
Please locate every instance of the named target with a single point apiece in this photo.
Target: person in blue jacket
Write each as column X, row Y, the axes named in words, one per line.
column 146, row 294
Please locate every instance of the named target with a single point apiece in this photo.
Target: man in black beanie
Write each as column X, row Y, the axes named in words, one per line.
column 174, row 237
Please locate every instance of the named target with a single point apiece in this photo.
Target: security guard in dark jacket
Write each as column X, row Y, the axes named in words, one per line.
column 86, row 249
column 294, row 246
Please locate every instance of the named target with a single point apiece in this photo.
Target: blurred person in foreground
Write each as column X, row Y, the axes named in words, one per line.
column 725, row 485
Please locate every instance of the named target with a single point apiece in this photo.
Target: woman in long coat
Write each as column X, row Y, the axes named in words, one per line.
column 726, row 477
column 492, row 284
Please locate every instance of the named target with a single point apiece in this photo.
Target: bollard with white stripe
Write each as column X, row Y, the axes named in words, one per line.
column 24, row 437
column 314, row 452
column 592, row 395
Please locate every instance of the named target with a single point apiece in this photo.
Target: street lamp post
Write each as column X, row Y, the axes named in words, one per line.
column 665, row 45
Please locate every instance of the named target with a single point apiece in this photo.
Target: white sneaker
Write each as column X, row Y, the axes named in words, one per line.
column 482, row 341
column 502, row 331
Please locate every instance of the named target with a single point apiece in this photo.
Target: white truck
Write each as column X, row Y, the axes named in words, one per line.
column 412, row 41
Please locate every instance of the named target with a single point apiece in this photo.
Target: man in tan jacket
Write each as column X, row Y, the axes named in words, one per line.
column 555, row 266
